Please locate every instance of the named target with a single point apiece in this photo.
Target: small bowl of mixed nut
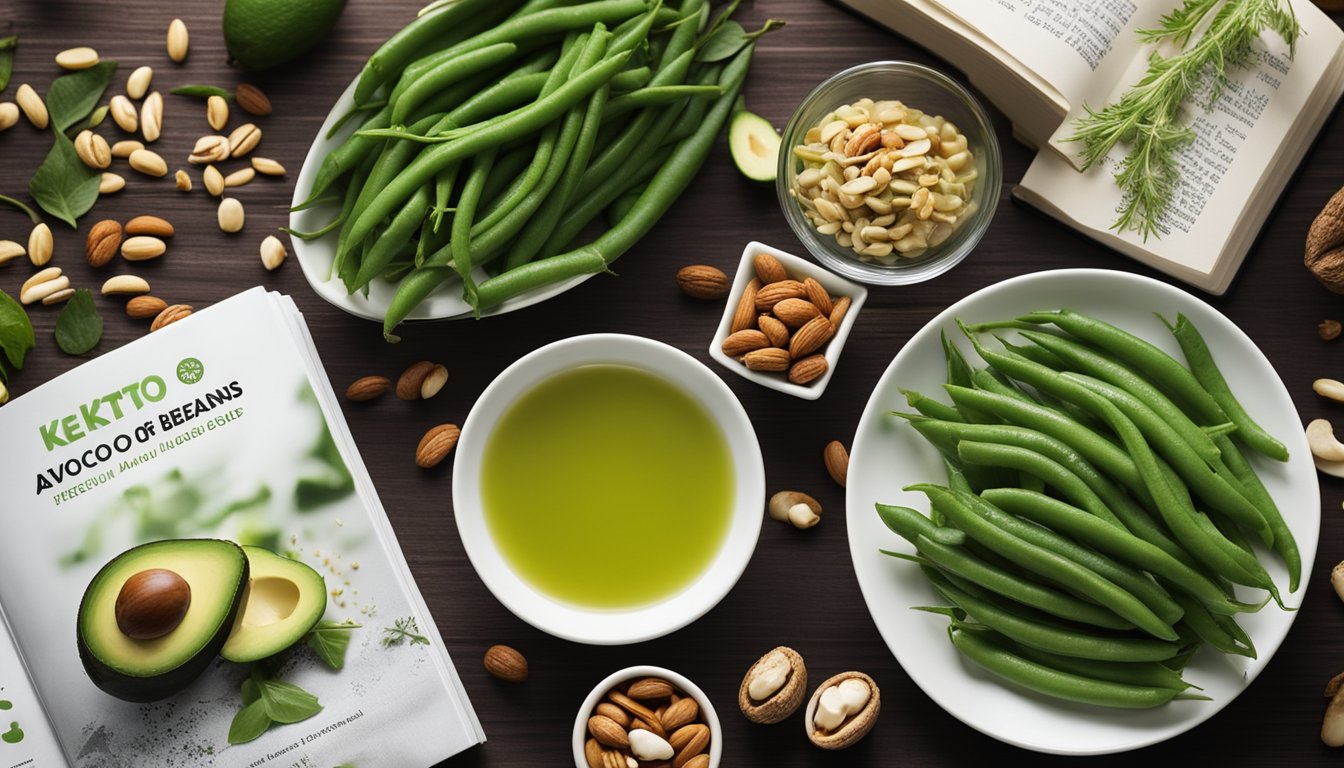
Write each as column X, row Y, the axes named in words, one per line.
column 889, row 173
column 647, row 716
column 785, row 322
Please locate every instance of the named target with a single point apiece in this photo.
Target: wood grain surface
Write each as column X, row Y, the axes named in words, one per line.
column 800, row 588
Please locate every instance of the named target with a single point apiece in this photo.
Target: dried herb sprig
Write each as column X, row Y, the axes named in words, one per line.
column 1147, row 116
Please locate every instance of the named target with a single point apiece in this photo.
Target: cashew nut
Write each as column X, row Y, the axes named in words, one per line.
column 1321, row 438
column 1329, row 388
column 1332, row 468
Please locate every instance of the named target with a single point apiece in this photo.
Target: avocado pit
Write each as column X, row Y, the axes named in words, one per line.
column 152, row 603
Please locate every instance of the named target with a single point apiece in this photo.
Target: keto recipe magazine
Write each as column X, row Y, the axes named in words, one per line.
column 269, row 619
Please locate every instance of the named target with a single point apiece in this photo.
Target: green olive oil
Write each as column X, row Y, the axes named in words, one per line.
column 607, row 487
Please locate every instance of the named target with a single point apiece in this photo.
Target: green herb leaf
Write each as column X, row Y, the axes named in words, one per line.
column 79, row 326
column 250, row 691
column 405, row 629
column 64, row 186
column 286, row 702
column 7, row 45
column 16, row 331
column 72, row 97
column 330, row 639
column 249, row 723
column 202, row 91
column 731, row 38
column 32, row 215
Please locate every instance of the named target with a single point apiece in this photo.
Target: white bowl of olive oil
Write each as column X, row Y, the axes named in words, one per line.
column 608, row 489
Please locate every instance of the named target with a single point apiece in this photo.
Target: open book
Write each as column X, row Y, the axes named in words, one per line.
column 177, row 516
column 1041, row 62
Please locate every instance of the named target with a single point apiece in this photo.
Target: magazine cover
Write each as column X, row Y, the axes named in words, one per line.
column 196, row 572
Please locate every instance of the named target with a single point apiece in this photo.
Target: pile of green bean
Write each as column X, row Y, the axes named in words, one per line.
column 1099, row 509
column 495, row 131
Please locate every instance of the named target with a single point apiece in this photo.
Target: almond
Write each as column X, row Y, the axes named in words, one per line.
column 149, row 225
column 593, row 752
column 171, row 314
column 817, row 294
column 145, row 307
column 434, row 381
column 411, row 380
column 795, row 313
column 689, row 741
column 777, row 332
column 839, row 310
column 769, row 269
column 142, row 248
column 607, row 732
column 776, row 292
column 608, row 709
column 836, row 459
column 367, row 388
column 252, row 100
column 633, row 707
column 680, row 713
column 742, row 342
column 699, row 761
column 103, row 241
column 745, row 313
column 808, row 369
column 649, row 688
column 435, row 446
column 506, row 663
column 769, row 359
column 812, row 336
column 702, row 282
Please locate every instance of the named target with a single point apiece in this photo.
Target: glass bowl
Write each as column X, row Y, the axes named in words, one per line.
column 921, row 88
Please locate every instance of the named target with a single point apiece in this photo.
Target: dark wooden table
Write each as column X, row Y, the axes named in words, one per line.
column 800, row 588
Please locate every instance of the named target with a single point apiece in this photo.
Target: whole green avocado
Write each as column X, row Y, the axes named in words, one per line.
column 261, row 34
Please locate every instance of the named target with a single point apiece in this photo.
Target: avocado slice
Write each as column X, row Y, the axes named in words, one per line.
column 754, row 144
column 285, row 598
column 155, row 616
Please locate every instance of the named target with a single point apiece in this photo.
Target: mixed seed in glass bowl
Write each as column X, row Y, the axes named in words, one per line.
column 884, row 179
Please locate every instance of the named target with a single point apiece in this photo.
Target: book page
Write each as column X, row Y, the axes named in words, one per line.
column 1069, row 43
column 26, row 740
column 1239, row 138
column 214, row 430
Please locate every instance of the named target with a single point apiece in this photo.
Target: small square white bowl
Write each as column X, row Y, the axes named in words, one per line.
column 798, row 268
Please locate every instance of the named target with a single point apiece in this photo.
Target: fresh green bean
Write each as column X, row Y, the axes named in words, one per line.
column 1084, row 360
column 396, row 235
column 958, row 370
column 443, row 193
column 463, row 219
column 1143, row 673
column 402, row 47
column 1138, row 584
column 910, row 525
column 1162, row 368
column 1039, row 632
column 1206, row 372
column 630, row 79
column 435, row 159
column 934, row 409
column 1049, row 472
column 656, row 96
column 1055, row 683
column 956, row 506
column 1284, row 542
column 1202, row 623
column 447, row 73
column 592, row 205
column 1107, row 539
column 345, row 158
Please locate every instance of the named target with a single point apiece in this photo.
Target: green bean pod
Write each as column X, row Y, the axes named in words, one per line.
column 1049, row 472
column 1284, row 542
column 1206, row 372
column 1142, row 673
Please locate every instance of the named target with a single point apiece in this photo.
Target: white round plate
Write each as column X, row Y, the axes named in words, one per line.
column 316, row 256
column 888, row 455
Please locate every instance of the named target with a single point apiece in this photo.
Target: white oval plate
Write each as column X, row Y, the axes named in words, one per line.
column 888, row 455
column 316, row 256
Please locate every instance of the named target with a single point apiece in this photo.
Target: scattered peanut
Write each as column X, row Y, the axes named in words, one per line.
column 137, row 85
column 231, row 216
column 33, row 107
column 9, row 115
column 151, row 117
column 110, row 183
column 182, row 180
column 40, row 245
column 178, row 41
column 124, row 114
column 217, row 112
column 272, row 253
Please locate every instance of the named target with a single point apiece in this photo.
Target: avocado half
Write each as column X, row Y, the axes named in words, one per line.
column 285, row 598
column 148, row 670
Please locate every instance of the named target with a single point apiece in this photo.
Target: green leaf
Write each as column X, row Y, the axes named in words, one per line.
column 16, row 331
column 329, row 640
column 79, row 326
column 7, row 45
column 286, row 702
column 251, row 692
column 64, row 186
column 72, row 97
column 724, row 43
column 202, row 91
column 249, row 723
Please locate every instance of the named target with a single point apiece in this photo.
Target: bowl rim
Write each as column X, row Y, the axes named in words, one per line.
column 590, row 703
column 798, row 267
column 829, row 253
column 610, row 626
